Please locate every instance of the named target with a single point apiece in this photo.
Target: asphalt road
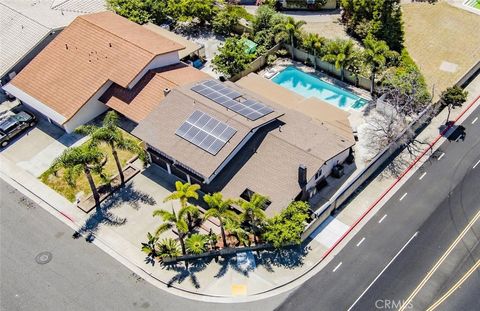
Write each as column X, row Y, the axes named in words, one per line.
column 79, row 276
column 422, row 219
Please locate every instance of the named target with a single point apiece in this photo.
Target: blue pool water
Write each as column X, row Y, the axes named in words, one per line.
column 311, row 86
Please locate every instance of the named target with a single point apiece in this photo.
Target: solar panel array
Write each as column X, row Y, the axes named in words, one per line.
column 225, row 96
column 205, row 132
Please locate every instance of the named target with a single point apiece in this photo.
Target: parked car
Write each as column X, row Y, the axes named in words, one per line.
column 14, row 124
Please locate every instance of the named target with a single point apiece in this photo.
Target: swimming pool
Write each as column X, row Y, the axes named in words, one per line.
column 310, row 86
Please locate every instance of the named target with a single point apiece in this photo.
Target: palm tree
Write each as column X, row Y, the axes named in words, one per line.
column 253, row 217
column 150, row 247
column 196, row 243
column 220, row 209
column 233, row 227
column 111, row 134
column 167, row 248
column 375, row 55
column 172, row 221
column 313, row 43
column 340, row 53
column 86, row 158
column 289, row 30
column 183, row 192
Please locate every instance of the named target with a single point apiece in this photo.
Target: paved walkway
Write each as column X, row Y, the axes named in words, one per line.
column 126, row 218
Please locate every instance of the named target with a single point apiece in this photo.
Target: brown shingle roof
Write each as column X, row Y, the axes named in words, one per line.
column 158, row 128
column 138, row 102
column 93, row 49
column 271, row 170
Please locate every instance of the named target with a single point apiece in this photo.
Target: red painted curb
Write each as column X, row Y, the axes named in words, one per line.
column 66, row 216
column 397, row 180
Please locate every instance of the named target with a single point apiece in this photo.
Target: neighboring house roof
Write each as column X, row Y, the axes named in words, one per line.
column 92, row 50
column 18, row 35
column 190, row 46
column 138, row 102
column 81, row 6
column 158, row 129
column 44, row 12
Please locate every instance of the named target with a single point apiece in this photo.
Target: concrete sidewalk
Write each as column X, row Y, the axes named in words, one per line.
column 124, row 223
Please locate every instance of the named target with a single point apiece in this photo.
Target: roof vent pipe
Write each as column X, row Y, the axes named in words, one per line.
column 166, row 91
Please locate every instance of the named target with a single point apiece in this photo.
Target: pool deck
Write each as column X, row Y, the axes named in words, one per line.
column 281, row 64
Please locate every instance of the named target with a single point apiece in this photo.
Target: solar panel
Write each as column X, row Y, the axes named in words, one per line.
column 205, row 132
column 226, row 97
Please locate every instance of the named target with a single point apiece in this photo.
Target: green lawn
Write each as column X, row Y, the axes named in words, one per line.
column 59, row 184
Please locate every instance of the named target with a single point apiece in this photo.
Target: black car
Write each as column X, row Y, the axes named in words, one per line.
column 14, row 124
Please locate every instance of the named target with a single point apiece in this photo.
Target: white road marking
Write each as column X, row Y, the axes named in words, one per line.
column 381, row 219
column 441, row 156
column 474, row 120
column 403, row 196
column 423, row 175
column 478, row 162
column 381, row 272
column 338, row 266
column 361, row 241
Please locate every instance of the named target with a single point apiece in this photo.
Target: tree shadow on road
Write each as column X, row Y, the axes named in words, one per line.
column 230, row 262
column 189, row 272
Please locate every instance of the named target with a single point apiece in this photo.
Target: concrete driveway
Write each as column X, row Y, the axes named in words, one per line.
column 35, row 149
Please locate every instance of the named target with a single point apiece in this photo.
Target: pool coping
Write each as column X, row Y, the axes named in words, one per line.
column 282, row 64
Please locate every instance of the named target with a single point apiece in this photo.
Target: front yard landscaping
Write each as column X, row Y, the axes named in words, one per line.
column 57, row 180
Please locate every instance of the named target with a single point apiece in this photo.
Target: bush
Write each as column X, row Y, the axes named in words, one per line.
column 453, row 96
column 381, row 18
column 226, row 19
column 232, row 57
column 168, row 248
column 197, row 243
column 409, row 82
column 282, row 53
column 286, row 228
column 139, row 11
column 264, row 26
column 271, row 59
column 201, row 11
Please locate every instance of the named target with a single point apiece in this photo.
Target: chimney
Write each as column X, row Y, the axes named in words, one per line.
column 166, row 91
column 302, row 175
